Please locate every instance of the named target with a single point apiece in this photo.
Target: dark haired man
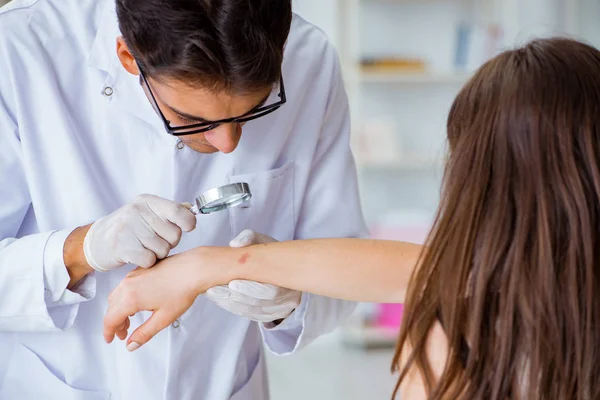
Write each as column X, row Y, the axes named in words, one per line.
column 99, row 149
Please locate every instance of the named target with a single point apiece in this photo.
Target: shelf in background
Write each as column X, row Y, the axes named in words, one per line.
column 368, row 337
column 398, row 77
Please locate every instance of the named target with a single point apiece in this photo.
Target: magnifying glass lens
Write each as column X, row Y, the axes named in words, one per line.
column 226, row 202
column 221, row 198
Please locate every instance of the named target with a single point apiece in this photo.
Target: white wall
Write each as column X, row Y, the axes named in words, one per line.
column 322, row 13
column 589, row 21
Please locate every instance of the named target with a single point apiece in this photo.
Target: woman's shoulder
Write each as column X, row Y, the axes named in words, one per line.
column 413, row 387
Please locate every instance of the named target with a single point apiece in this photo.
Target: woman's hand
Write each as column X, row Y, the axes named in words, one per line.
column 168, row 290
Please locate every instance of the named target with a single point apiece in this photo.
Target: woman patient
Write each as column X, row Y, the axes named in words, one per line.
column 504, row 302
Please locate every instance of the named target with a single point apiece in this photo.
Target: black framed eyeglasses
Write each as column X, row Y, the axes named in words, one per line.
column 205, row 126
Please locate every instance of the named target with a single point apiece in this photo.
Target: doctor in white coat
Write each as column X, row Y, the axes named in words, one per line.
column 112, row 116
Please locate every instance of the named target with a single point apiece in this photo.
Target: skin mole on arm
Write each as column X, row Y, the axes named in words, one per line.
column 244, row 258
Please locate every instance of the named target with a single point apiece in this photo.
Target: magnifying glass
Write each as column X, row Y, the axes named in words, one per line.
column 221, row 198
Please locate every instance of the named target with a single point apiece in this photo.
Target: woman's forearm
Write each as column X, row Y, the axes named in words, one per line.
column 350, row 269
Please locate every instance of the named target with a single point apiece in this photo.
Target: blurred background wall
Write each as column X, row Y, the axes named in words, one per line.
column 403, row 62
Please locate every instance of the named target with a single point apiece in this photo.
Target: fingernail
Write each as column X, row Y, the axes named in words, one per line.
column 133, row 346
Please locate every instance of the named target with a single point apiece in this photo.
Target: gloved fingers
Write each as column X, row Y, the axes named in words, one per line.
column 270, row 295
column 265, row 306
column 226, row 295
column 293, row 298
column 253, row 307
column 258, row 313
column 279, row 311
column 141, row 257
column 152, row 241
column 171, row 211
column 168, row 231
column 244, row 239
column 149, row 223
column 252, row 313
column 160, row 247
column 249, row 237
column 241, row 310
column 218, row 293
column 256, row 289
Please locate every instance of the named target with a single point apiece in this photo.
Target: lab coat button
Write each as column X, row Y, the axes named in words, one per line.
column 180, row 145
column 176, row 324
column 108, row 91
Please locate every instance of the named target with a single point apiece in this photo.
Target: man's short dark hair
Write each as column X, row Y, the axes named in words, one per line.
column 233, row 45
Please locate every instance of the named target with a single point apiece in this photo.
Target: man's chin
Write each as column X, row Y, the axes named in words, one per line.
column 202, row 148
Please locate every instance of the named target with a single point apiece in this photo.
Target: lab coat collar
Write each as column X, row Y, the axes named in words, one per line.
column 106, row 36
column 126, row 92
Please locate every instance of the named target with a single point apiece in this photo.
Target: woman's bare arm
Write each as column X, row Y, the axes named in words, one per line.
column 350, row 269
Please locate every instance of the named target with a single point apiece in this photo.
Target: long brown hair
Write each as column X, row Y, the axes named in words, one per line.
column 512, row 265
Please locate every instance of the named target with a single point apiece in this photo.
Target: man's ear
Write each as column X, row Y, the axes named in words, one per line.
column 126, row 58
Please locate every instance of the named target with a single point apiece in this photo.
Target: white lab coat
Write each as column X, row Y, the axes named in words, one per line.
column 70, row 154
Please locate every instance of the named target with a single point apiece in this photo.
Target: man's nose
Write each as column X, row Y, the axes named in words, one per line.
column 225, row 137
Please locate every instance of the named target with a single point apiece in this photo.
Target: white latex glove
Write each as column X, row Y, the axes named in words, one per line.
column 139, row 233
column 253, row 300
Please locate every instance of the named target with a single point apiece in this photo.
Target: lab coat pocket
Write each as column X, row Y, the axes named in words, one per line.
column 255, row 388
column 28, row 378
column 270, row 211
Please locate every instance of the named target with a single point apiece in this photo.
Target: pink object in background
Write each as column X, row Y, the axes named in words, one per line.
column 404, row 225
column 389, row 315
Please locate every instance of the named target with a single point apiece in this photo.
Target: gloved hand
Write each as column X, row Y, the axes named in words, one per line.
column 253, row 300
column 139, row 233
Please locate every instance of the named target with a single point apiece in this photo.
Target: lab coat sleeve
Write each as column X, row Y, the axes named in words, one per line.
column 330, row 208
column 33, row 276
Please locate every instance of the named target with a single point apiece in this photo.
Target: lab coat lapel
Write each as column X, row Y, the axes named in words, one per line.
column 124, row 89
column 128, row 96
column 108, row 31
